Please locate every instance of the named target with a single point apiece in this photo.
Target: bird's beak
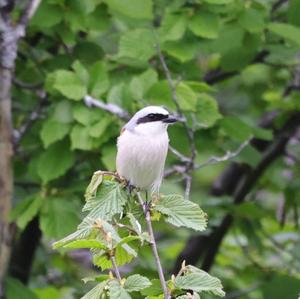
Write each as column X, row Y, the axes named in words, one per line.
column 170, row 120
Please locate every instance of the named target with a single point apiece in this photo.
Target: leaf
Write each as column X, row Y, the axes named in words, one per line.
column 55, row 161
column 96, row 292
column 116, row 291
column 205, row 24
column 293, row 12
column 91, row 243
column 252, row 20
column 135, row 283
column 53, row 131
column 230, row 124
column 109, row 200
column 218, row 1
column 84, row 229
column 58, row 217
column 287, row 31
column 15, row 289
column 63, row 112
column 183, row 51
column 80, row 138
column 69, row 84
column 100, row 128
column 81, row 71
column 99, row 82
column 187, row 98
column 138, row 44
column 181, row 212
column 25, row 210
column 207, row 110
column 135, row 9
column 199, row 281
column 154, row 289
column 96, row 180
column 173, row 27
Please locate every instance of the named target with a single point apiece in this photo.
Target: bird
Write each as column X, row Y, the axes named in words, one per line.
column 142, row 148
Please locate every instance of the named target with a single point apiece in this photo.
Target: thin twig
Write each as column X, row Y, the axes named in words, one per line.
column 112, row 108
column 146, row 211
column 116, row 269
column 228, row 156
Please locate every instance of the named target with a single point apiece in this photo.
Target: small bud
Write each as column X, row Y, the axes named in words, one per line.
column 183, row 265
column 110, row 274
column 173, row 278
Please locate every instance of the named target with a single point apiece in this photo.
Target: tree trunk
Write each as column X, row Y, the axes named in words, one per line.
column 6, row 183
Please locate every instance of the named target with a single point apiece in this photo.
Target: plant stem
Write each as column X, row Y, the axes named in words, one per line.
column 116, row 269
column 146, row 211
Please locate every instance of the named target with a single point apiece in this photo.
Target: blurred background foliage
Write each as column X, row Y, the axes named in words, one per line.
column 235, row 65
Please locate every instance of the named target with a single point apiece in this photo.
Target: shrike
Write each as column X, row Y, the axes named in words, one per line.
column 143, row 146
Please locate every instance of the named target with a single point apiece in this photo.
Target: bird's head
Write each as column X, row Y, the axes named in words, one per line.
column 151, row 120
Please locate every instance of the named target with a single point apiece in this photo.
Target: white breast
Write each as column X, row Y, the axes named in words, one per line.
column 141, row 159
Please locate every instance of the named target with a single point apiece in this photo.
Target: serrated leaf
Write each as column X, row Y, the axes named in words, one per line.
column 116, row 291
column 287, row 31
column 199, row 281
column 55, row 161
column 95, row 182
column 205, row 24
column 24, row 212
column 84, row 229
column 96, row 292
column 91, row 243
column 181, row 212
column 58, row 217
column 109, row 200
column 137, row 44
column 69, row 84
column 135, row 283
column 53, row 131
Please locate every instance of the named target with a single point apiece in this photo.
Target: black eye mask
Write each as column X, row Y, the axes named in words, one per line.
column 152, row 117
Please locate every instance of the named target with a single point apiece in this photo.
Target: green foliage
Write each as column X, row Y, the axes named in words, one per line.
column 231, row 62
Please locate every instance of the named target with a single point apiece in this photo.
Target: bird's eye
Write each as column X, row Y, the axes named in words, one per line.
column 151, row 116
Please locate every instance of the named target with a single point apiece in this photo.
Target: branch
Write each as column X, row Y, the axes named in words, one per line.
column 228, row 156
column 28, row 12
column 146, row 210
column 116, row 269
column 111, row 108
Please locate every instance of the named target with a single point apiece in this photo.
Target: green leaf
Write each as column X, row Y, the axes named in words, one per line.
column 91, row 243
column 83, row 231
column 53, row 131
column 135, row 9
column 207, row 110
column 252, row 20
column 135, row 283
column 69, row 84
column 187, row 98
column 181, row 212
column 218, row 1
column 24, row 212
column 80, row 138
column 173, row 27
column 17, row 290
column 230, row 124
column 81, row 71
column 100, row 128
column 287, row 31
column 153, row 290
column 205, row 24
column 96, row 292
column 99, row 81
column 293, row 12
column 183, row 51
column 116, row 291
column 96, row 180
column 55, row 161
column 199, row 281
column 109, row 200
column 138, row 44
column 58, row 217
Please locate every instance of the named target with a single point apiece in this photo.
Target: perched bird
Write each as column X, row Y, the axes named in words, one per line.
column 143, row 146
